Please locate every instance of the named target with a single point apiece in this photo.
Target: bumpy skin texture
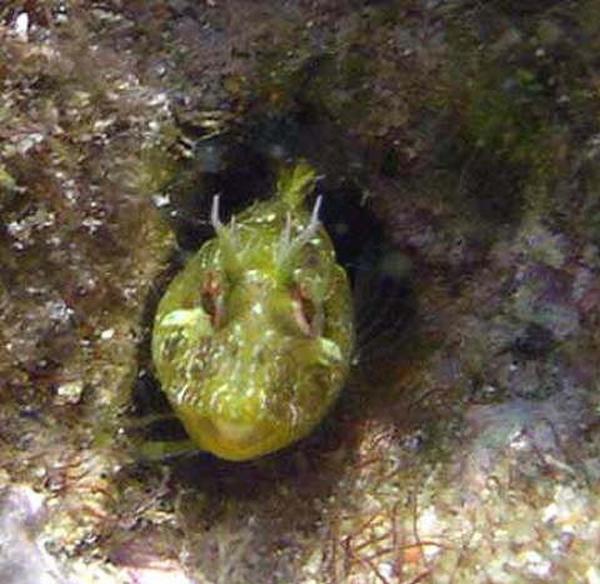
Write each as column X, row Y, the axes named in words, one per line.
column 252, row 340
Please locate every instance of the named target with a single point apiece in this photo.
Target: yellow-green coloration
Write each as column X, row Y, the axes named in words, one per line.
column 252, row 340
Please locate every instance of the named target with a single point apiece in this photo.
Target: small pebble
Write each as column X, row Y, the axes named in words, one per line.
column 69, row 393
column 21, row 27
column 107, row 334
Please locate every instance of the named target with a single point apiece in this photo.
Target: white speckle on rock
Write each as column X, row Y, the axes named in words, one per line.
column 92, row 224
column 21, row 27
column 550, row 513
column 161, row 200
column 159, row 99
column 107, row 334
column 59, row 311
column 159, row 575
column 567, row 510
column 519, row 441
column 103, row 125
column 29, row 141
column 69, row 393
column 592, row 575
column 386, row 569
column 537, row 565
column 428, row 522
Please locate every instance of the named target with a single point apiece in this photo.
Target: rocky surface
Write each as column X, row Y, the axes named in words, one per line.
column 469, row 452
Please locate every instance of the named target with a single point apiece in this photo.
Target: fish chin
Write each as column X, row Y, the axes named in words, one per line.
column 233, row 439
column 237, row 432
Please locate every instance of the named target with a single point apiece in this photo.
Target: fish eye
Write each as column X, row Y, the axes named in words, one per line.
column 306, row 315
column 212, row 298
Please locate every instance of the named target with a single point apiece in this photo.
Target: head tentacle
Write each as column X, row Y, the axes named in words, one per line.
column 289, row 246
column 226, row 238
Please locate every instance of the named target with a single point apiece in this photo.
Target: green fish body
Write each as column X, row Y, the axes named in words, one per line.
column 252, row 340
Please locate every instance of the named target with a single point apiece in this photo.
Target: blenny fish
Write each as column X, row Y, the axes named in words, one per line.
column 253, row 339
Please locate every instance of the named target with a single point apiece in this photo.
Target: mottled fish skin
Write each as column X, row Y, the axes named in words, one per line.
column 252, row 340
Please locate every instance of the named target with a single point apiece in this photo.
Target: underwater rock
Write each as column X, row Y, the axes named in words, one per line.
column 23, row 559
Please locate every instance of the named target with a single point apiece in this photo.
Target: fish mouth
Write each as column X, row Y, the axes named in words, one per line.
column 237, row 440
column 235, row 432
column 234, row 439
